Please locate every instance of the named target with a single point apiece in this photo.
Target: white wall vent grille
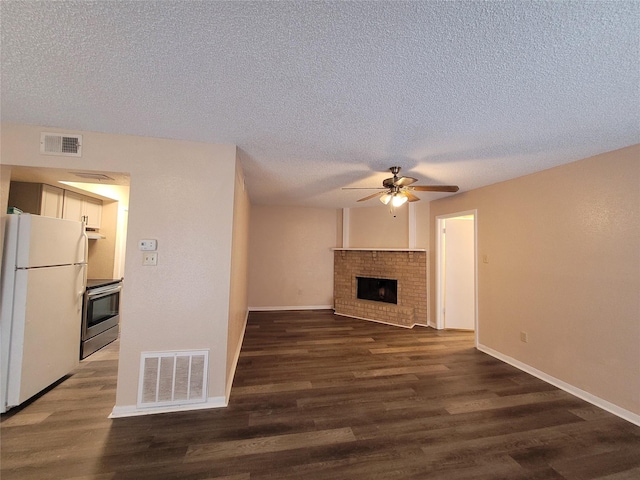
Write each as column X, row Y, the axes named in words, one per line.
column 61, row 144
column 173, row 378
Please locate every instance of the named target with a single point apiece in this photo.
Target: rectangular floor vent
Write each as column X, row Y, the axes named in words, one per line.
column 61, row 144
column 173, row 378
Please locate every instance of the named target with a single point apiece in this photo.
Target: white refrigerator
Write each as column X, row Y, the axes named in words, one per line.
column 44, row 266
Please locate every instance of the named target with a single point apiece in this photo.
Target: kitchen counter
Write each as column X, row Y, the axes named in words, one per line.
column 101, row 282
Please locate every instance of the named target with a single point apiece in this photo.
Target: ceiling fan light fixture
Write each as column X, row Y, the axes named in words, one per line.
column 386, row 198
column 399, row 199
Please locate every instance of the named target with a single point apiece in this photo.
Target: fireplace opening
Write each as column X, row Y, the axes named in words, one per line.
column 377, row 289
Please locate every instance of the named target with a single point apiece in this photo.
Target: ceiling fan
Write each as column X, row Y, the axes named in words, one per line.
column 397, row 190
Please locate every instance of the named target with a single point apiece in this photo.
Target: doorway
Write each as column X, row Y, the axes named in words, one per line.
column 106, row 251
column 456, row 271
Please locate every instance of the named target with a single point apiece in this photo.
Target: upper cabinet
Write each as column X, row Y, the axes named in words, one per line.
column 77, row 206
column 37, row 198
column 72, row 206
column 93, row 212
column 49, row 201
column 52, row 201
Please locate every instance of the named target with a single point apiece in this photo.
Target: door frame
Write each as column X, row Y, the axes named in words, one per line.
column 440, row 257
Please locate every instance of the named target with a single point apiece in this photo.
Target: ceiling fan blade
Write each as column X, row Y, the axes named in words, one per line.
column 434, row 188
column 404, row 181
column 411, row 197
column 371, row 196
column 362, row 188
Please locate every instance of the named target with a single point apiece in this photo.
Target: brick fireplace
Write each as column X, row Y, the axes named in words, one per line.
column 408, row 267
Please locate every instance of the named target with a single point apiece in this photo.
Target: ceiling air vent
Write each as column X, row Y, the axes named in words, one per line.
column 61, row 144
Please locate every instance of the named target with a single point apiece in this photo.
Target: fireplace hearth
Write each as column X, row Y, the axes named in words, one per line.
column 388, row 286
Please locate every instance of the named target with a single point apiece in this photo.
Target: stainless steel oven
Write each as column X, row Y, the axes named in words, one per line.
column 101, row 315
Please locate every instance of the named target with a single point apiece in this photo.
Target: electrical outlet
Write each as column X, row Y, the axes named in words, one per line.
column 150, row 258
column 524, row 337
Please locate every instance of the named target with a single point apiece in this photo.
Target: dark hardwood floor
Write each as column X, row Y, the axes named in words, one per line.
column 317, row 396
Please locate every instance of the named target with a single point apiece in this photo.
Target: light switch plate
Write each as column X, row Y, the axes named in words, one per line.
column 148, row 245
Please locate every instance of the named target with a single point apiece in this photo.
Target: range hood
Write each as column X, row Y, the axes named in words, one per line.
column 93, row 235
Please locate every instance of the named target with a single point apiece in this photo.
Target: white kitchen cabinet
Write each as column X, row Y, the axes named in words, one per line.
column 52, row 201
column 92, row 209
column 37, row 198
column 77, row 206
column 72, row 206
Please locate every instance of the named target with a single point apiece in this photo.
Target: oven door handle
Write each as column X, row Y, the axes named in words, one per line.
column 103, row 291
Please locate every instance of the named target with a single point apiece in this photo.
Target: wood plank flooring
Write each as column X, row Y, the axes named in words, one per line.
column 318, row 397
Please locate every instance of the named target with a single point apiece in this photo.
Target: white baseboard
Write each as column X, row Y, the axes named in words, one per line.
column 236, row 357
column 298, row 307
column 134, row 411
column 586, row 396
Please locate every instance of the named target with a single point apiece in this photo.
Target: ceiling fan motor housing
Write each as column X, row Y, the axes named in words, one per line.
column 388, row 182
column 391, row 182
column 401, row 187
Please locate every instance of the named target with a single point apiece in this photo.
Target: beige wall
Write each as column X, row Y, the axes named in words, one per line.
column 290, row 257
column 564, row 266
column 375, row 227
column 239, row 271
column 422, row 218
column 181, row 196
column 291, row 263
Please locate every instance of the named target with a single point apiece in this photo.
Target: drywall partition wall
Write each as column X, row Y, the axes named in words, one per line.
column 375, row 227
column 421, row 216
column 5, row 180
column 239, row 270
column 180, row 196
column 290, row 257
column 559, row 260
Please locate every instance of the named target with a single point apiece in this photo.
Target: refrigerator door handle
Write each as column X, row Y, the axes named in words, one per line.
column 83, row 287
column 86, row 241
column 85, row 265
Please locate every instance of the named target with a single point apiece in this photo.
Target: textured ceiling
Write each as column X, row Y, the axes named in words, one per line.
column 321, row 95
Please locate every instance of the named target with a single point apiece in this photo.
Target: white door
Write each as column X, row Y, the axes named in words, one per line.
column 459, row 273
